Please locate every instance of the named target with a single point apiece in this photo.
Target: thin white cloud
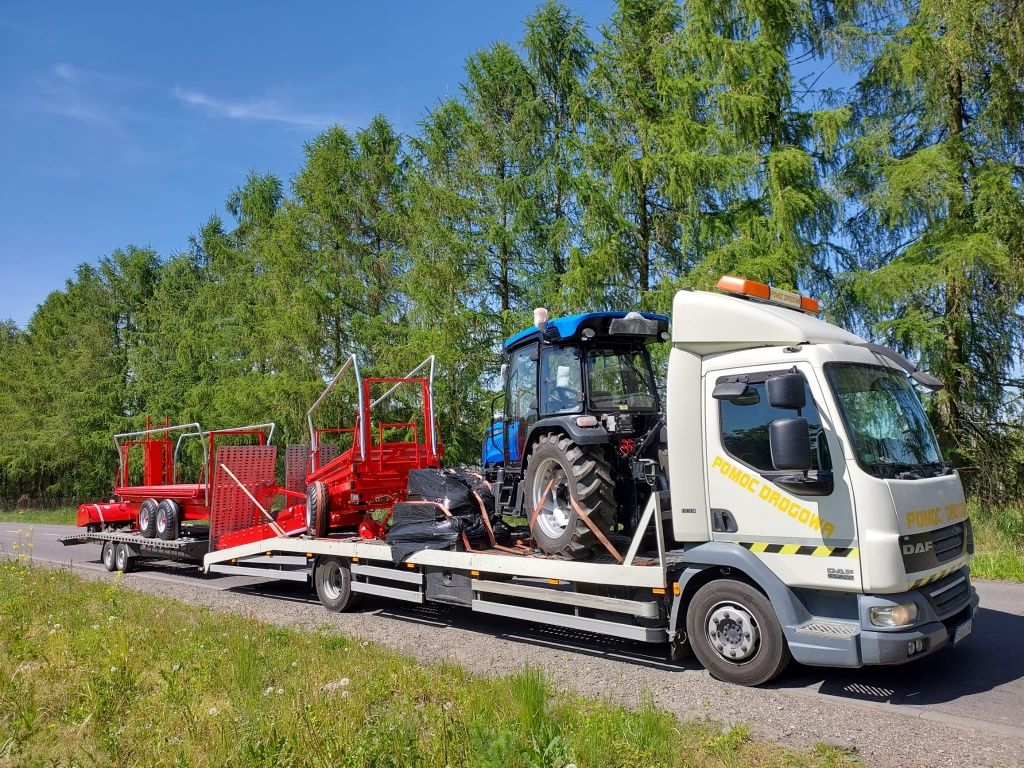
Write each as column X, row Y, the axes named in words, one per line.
column 64, row 92
column 264, row 110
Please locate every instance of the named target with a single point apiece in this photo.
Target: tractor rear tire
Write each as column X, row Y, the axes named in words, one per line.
column 581, row 471
column 107, row 556
column 333, row 580
column 318, row 513
column 168, row 519
column 147, row 518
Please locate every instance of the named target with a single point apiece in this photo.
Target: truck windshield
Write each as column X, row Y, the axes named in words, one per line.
column 886, row 423
column 619, row 378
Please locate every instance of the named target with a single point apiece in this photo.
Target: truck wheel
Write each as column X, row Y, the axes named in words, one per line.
column 107, row 556
column 333, row 581
column 122, row 558
column 735, row 634
column 168, row 516
column 318, row 515
column 582, row 472
column 147, row 518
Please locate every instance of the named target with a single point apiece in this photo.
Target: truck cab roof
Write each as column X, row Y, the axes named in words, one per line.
column 709, row 323
column 572, row 326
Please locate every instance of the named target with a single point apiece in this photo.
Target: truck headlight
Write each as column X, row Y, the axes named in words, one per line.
column 901, row 615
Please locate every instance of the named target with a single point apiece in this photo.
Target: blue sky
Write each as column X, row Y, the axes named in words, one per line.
column 129, row 123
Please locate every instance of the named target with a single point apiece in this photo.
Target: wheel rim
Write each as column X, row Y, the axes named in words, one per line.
column 556, row 509
column 161, row 521
column 733, row 632
column 333, row 583
column 144, row 517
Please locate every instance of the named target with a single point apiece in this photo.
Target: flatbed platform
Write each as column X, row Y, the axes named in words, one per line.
column 187, row 548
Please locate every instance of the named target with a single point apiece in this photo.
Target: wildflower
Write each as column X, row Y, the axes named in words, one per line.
column 344, row 694
column 95, row 626
column 268, row 690
column 344, row 682
column 280, row 691
column 176, row 667
column 214, row 711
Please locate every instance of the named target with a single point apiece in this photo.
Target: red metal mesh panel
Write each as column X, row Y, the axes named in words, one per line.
column 231, row 509
column 296, row 466
column 328, row 453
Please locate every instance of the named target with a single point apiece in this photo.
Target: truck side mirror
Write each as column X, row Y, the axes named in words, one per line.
column 789, row 441
column 786, row 391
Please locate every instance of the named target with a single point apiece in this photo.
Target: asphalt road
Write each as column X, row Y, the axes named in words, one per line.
column 976, row 688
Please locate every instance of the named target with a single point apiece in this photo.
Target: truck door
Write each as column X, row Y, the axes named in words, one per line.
column 802, row 526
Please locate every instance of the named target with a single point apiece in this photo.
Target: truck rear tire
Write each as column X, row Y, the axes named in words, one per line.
column 107, row 556
column 581, row 472
column 168, row 519
column 333, row 581
column 123, row 558
column 735, row 634
column 318, row 514
column 147, row 518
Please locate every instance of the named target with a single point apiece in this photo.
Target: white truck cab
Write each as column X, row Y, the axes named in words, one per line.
column 863, row 552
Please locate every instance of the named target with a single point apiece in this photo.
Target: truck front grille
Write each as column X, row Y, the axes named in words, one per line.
column 931, row 549
column 948, row 595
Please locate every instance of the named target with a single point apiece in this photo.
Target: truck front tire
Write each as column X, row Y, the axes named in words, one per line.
column 735, row 633
column 333, row 581
column 579, row 471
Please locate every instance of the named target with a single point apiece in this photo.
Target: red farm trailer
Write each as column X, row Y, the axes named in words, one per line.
column 237, row 499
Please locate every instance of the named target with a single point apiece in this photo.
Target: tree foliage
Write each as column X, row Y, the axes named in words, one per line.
column 678, row 143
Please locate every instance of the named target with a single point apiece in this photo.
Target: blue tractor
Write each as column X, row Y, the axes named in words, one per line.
column 582, row 421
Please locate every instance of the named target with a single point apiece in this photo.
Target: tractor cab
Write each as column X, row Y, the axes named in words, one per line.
column 581, row 385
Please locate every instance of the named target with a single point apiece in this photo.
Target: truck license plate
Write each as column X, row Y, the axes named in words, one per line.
column 962, row 631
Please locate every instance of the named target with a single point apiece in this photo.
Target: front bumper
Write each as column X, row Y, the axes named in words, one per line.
column 943, row 607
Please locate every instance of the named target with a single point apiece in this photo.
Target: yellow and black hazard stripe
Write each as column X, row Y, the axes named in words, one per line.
column 935, row 576
column 799, row 549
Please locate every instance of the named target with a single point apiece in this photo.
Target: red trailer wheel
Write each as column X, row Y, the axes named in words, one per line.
column 147, row 518
column 168, row 518
column 318, row 515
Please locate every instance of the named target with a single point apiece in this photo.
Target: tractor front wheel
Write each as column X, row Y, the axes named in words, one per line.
column 558, row 471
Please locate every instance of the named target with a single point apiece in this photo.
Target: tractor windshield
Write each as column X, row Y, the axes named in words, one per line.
column 620, row 379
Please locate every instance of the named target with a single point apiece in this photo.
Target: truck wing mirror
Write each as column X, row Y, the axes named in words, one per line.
column 789, row 441
column 786, row 391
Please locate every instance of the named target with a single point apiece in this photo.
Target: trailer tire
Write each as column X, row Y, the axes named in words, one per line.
column 147, row 518
column 581, row 471
column 333, row 581
column 107, row 556
column 123, row 558
column 735, row 634
column 167, row 519
column 318, row 514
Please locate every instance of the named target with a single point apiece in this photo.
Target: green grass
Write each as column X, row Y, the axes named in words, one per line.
column 998, row 542
column 62, row 516
column 97, row 675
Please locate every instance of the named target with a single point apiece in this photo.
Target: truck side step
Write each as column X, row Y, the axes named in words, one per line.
column 613, row 628
column 645, row 609
column 396, row 593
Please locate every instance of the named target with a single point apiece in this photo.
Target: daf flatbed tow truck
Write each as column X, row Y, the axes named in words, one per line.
column 788, row 499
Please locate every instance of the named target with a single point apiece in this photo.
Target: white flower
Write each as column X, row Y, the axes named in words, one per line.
column 280, row 691
column 344, row 681
column 113, row 669
column 268, row 690
column 214, row 711
column 295, row 664
column 95, row 626
column 344, row 694
column 176, row 667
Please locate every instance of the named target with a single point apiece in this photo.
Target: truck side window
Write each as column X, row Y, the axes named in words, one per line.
column 745, row 423
column 561, row 381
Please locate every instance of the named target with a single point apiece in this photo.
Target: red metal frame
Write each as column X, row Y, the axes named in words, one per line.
column 358, row 485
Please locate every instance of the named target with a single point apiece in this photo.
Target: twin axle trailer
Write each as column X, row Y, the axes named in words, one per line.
column 781, row 497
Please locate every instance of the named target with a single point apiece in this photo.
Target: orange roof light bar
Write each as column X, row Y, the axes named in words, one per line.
column 740, row 286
